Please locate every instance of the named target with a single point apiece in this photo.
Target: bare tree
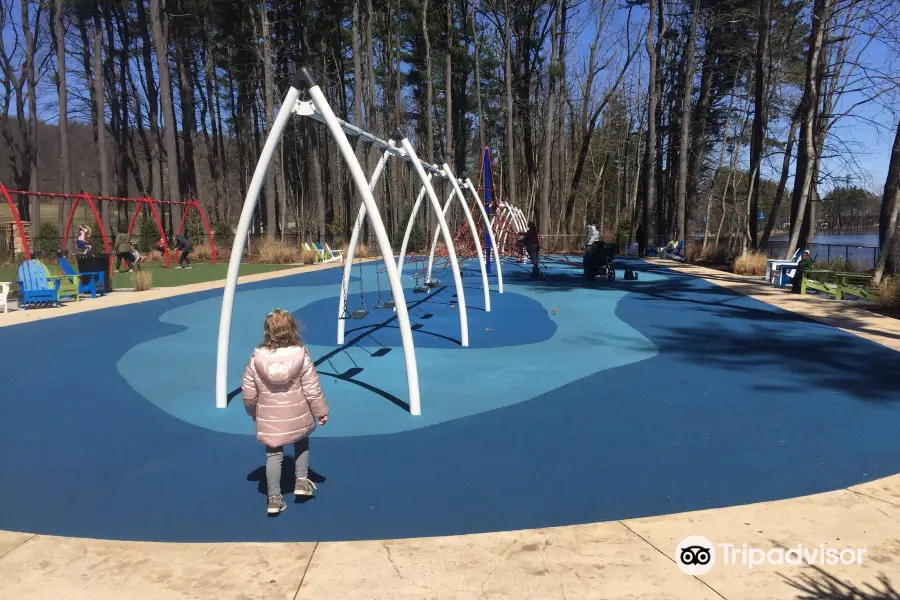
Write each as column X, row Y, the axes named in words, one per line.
column 65, row 164
column 265, row 57
column 652, row 100
column 477, row 41
column 448, row 93
column 160, row 21
column 687, row 86
column 546, row 162
column 803, row 177
column 890, row 206
column 510, row 114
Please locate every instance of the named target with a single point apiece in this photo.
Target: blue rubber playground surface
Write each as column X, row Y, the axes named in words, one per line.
column 574, row 403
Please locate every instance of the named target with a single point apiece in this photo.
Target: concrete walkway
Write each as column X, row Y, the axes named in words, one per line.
column 614, row 560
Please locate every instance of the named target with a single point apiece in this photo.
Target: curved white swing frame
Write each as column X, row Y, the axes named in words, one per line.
column 319, row 109
column 408, row 152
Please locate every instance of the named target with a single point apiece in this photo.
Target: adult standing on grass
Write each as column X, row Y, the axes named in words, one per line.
column 124, row 250
column 183, row 245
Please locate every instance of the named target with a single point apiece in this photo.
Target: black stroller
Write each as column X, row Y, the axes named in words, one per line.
column 598, row 260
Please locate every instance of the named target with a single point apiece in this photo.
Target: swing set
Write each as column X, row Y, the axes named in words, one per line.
column 90, row 200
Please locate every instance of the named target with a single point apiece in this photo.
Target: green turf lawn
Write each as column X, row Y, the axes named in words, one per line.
column 173, row 277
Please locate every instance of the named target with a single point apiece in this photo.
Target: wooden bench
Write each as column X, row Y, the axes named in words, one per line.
column 821, row 280
column 857, row 285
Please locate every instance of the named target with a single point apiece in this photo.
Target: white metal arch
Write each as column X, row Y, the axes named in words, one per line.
column 350, row 253
column 487, row 224
column 448, row 239
column 410, row 225
column 319, row 109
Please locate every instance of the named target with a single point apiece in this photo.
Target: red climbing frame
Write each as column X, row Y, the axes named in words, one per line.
column 90, row 200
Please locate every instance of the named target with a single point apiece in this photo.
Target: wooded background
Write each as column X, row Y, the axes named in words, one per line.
column 684, row 116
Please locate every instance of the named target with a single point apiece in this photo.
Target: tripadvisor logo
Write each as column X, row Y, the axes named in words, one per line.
column 696, row 555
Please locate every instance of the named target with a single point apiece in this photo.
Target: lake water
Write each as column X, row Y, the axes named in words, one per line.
column 849, row 239
column 860, row 247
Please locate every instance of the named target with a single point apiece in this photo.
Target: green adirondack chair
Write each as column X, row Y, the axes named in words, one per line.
column 66, row 285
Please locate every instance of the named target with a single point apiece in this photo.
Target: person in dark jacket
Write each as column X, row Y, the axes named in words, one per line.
column 183, row 245
column 641, row 240
column 532, row 244
column 804, row 265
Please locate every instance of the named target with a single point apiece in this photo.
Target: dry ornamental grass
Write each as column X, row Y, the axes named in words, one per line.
column 142, row 280
column 308, row 257
column 750, row 264
column 278, row 253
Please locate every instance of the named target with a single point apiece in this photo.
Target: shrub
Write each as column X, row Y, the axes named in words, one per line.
column 148, row 235
column 141, row 280
column 278, row 253
column 223, row 234
column 154, row 256
column 362, row 251
column 308, row 257
column 47, row 241
column 622, row 232
column 750, row 264
column 889, row 293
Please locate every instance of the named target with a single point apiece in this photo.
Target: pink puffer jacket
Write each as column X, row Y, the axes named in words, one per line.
column 281, row 391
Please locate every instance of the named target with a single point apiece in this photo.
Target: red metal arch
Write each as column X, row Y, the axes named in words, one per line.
column 159, row 225
column 212, row 243
column 15, row 214
column 78, row 198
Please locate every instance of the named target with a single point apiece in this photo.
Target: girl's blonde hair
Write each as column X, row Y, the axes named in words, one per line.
column 280, row 330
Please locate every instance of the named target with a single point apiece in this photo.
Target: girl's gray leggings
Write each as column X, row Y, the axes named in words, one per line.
column 274, row 458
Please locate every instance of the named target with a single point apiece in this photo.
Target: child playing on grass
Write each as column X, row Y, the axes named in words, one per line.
column 281, row 392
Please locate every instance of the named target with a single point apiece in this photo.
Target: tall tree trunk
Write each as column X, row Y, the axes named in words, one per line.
column 357, row 108
column 152, row 102
column 760, row 116
column 316, row 182
column 31, row 133
column 652, row 98
column 549, row 118
column 890, row 206
column 266, row 58
column 687, row 85
column 510, row 113
column 160, row 22
column 803, row 175
column 782, row 183
column 448, row 93
column 100, row 118
column 475, row 36
column 184, row 59
column 716, row 173
column 59, row 37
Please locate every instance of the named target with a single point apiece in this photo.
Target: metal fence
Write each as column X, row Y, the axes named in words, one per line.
column 864, row 257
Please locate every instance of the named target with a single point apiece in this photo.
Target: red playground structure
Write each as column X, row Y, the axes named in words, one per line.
column 140, row 202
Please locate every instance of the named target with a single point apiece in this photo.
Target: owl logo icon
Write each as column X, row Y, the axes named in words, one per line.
column 695, row 555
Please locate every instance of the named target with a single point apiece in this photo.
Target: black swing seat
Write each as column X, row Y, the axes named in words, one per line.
column 433, row 283
column 389, row 304
column 420, row 290
column 361, row 313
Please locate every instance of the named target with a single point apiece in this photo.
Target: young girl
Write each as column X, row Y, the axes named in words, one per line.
column 281, row 392
column 84, row 236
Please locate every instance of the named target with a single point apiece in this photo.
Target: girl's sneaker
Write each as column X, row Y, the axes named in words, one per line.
column 304, row 487
column 276, row 505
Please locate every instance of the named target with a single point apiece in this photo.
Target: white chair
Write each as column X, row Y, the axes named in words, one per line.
column 331, row 254
column 774, row 266
column 4, row 292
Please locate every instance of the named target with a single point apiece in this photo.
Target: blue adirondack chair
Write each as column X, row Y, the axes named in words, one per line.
column 34, row 285
column 93, row 282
